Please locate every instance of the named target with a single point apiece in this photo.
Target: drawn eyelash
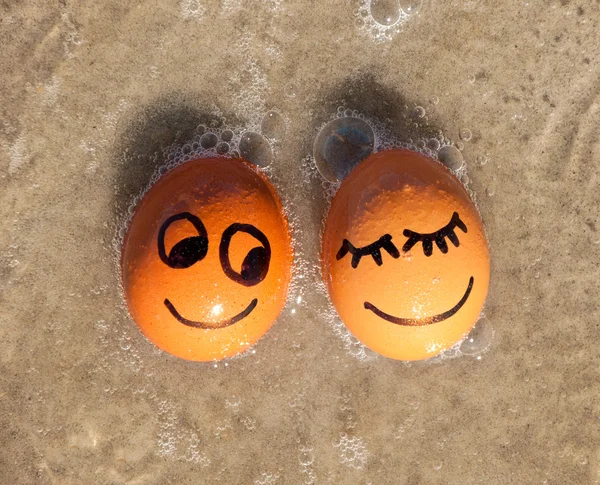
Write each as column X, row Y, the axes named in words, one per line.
column 438, row 236
column 374, row 249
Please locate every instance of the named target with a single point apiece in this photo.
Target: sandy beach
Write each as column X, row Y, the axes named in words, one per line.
column 96, row 96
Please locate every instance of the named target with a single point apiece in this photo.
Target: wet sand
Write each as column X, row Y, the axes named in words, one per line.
column 92, row 97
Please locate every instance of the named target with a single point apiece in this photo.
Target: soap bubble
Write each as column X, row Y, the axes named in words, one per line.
column 227, row 135
column 451, row 157
column 341, row 145
column 482, row 160
column 291, row 90
column 479, row 339
column 209, row 140
column 256, row 149
column 273, row 125
column 465, row 134
column 385, row 12
column 306, row 458
column 419, row 112
column 411, row 7
column 433, row 144
column 222, row 148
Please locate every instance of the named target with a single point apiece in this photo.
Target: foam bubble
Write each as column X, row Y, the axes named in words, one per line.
column 191, row 9
column 306, row 457
column 411, row 7
column 341, row 145
column 482, row 160
column 385, row 12
column 222, row 148
column 479, row 339
column 352, row 451
column 291, row 90
column 208, row 140
column 256, row 149
column 381, row 20
column 465, row 134
column 451, row 157
column 273, row 125
column 227, row 135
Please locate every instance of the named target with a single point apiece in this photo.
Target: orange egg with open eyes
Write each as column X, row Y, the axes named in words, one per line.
column 405, row 256
column 207, row 259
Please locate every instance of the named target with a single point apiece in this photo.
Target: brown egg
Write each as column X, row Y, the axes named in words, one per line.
column 405, row 256
column 207, row 259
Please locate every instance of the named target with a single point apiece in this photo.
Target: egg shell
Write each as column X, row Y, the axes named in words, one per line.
column 388, row 193
column 220, row 192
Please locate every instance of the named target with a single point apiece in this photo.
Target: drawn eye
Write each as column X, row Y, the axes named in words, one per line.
column 256, row 263
column 188, row 251
column 439, row 237
column 374, row 249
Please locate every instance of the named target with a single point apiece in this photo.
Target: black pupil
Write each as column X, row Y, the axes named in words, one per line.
column 187, row 252
column 255, row 263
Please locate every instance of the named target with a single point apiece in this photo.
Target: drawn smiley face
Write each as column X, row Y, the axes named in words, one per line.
column 207, row 259
column 405, row 256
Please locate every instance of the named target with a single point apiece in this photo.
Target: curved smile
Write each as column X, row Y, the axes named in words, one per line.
column 412, row 322
column 210, row 326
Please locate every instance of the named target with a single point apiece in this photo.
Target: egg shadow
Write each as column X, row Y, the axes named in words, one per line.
column 384, row 104
column 145, row 134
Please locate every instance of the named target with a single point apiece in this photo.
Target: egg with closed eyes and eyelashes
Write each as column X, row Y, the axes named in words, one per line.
column 405, row 256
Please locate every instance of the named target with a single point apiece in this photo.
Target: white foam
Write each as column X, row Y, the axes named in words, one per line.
column 192, row 9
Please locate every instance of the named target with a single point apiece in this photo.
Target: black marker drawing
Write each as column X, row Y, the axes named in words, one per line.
column 437, row 236
column 188, row 251
column 422, row 321
column 374, row 249
column 209, row 326
column 256, row 263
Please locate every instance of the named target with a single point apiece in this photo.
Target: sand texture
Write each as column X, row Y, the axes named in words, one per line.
column 95, row 96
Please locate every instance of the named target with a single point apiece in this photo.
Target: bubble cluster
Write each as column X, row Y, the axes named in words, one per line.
column 383, row 19
column 306, row 459
column 352, row 451
column 174, row 442
column 191, row 9
column 208, row 141
column 350, row 343
column 347, row 136
column 249, row 85
column 267, row 478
